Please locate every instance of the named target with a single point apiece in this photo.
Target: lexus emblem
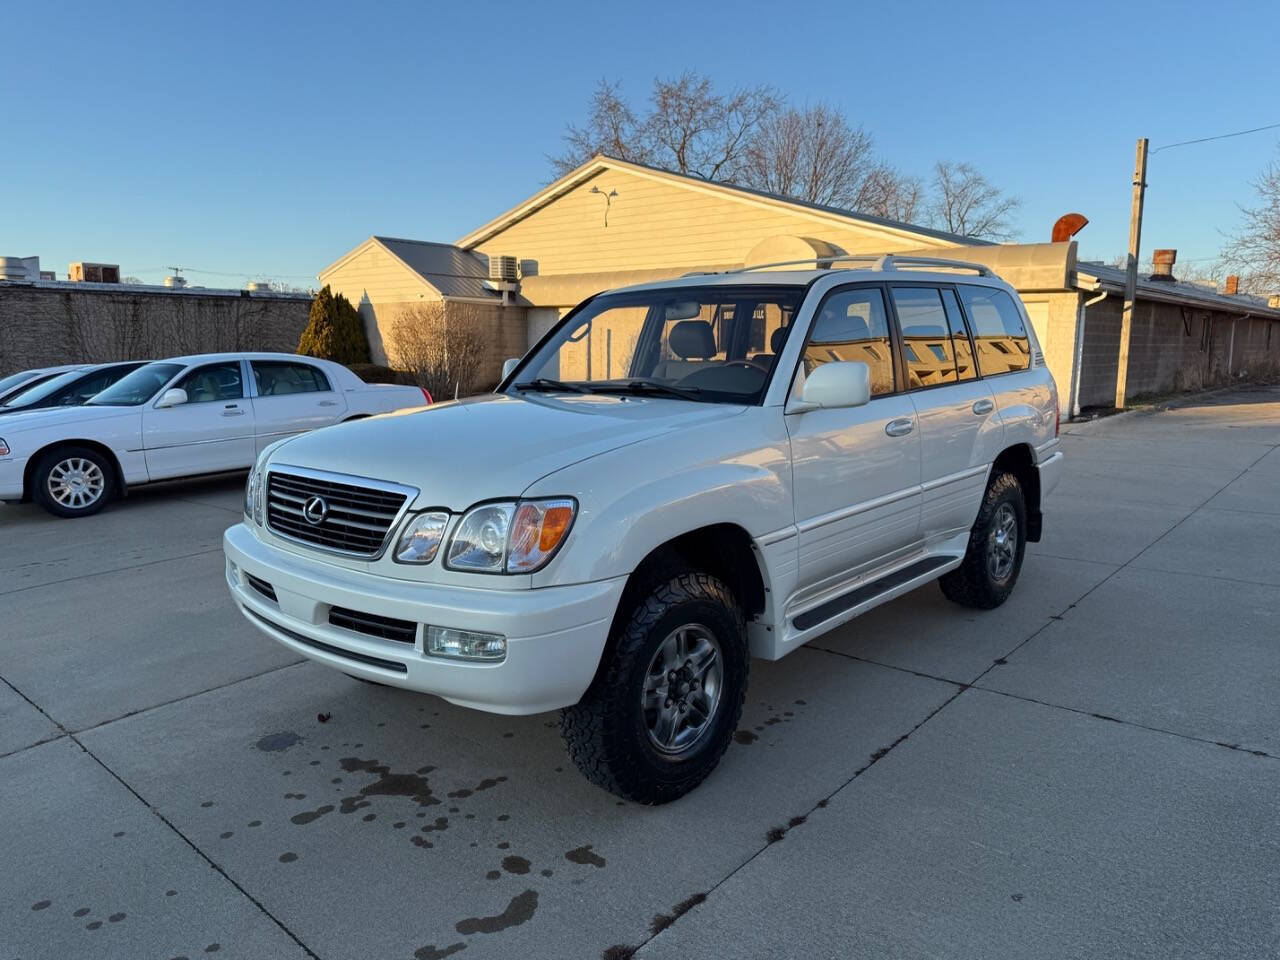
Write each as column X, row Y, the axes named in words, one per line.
column 315, row 510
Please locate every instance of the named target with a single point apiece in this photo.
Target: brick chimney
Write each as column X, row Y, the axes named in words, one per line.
column 1163, row 261
column 1233, row 285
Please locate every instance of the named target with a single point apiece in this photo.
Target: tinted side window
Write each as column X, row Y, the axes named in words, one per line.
column 926, row 336
column 275, row 379
column 853, row 325
column 998, row 331
column 218, row 381
column 966, row 369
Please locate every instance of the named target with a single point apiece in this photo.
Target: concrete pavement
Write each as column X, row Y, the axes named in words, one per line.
column 1088, row 771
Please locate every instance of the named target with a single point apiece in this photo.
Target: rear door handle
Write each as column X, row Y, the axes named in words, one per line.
column 900, row 427
column 981, row 407
column 328, row 403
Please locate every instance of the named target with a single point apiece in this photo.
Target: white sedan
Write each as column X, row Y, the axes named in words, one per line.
column 179, row 418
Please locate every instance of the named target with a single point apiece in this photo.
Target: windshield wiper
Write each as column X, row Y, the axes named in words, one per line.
column 650, row 387
column 546, row 383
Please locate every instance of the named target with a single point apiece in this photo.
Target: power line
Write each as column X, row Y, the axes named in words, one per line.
column 1221, row 136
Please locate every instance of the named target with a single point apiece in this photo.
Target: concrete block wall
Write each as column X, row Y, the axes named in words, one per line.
column 1173, row 349
column 47, row 325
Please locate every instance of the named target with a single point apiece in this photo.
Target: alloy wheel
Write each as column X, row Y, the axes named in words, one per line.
column 682, row 688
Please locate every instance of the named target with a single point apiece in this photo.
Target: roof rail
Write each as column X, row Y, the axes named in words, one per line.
column 875, row 261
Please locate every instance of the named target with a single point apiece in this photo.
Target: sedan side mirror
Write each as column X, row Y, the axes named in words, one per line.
column 173, row 397
column 837, row 384
column 508, row 365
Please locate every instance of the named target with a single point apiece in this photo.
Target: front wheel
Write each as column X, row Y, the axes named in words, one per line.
column 73, row 481
column 996, row 545
column 663, row 708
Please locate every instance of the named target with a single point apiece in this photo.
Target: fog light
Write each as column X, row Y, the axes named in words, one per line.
column 465, row 644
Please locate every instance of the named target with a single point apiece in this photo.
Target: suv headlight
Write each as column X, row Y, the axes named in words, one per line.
column 421, row 537
column 516, row 536
column 253, row 496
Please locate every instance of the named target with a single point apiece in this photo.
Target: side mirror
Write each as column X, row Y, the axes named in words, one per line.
column 837, row 384
column 508, row 365
column 173, row 397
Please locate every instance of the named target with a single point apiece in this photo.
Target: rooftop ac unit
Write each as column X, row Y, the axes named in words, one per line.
column 504, row 269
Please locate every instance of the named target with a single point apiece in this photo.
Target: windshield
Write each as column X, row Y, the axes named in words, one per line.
column 13, row 380
column 30, row 395
column 710, row 344
column 138, row 387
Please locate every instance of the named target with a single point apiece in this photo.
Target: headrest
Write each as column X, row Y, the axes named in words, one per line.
column 693, row 339
column 777, row 339
column 835, row 328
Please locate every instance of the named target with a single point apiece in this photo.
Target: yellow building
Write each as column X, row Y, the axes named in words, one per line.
column 611, row 222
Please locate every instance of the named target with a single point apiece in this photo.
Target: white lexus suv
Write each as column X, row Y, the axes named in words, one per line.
column 678, row 477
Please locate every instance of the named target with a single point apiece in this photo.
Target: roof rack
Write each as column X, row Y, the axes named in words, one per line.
column 875, row 261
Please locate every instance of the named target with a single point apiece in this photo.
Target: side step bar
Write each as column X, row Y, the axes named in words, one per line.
column 868, row 591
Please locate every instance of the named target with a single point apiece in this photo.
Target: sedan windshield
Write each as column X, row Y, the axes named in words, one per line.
column 707, row 344
column 13, row 380
column 25, row 398
column 138, row 387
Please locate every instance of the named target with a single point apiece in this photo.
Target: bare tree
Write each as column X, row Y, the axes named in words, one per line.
column 689, row 128
column 966, row 203
column 440, row 345
column 611, row 128
column 890, row 194
column 812, row 154
column 1254, row 251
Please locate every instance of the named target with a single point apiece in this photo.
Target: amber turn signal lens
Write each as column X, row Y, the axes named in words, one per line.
column 537, row 530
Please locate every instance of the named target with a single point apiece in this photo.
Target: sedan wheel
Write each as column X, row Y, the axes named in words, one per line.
column 73, row 481
column 76, row 483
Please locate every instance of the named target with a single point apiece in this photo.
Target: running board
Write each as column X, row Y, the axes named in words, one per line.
column 869, row 591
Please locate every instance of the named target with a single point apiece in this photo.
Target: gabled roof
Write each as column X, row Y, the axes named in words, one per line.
column 451, row 272
column 602, row 162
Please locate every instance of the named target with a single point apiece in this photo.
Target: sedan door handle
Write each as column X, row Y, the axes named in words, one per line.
column 981, row 407
column 328, row 403
column 900, row 427
column 232, row 410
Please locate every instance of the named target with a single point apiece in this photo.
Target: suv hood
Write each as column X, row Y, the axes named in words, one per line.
column 462, row 452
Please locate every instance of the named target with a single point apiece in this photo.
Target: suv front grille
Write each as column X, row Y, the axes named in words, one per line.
column 370, row 624
column 354, row 518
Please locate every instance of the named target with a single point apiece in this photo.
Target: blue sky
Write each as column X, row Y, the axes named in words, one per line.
column 265, row 139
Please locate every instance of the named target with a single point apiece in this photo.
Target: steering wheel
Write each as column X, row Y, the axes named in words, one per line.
column 747, row 363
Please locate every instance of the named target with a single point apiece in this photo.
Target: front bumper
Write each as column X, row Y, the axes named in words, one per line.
column 555, row 635
column 11, row 471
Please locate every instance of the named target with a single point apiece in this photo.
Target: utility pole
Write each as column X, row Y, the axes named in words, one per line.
column 1131, row 272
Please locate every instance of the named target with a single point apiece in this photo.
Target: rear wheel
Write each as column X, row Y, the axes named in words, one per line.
column 661, row 711
column 997, row 543
column 73, row 481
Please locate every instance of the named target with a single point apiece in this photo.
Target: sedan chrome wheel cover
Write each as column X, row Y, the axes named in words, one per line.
column 1002, row 543
column 76, row 483
column 682, row 688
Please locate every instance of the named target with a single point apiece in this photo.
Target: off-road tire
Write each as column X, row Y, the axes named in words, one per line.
column 605, row 733
column 48, row 462
column 971, row 584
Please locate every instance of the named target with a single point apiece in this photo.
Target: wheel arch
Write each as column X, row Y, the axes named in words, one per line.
column 726, row 551
column 28, row 473
column 1020, row 460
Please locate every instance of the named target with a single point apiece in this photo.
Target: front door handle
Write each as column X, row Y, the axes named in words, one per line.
column 983, row 406
column 900, row 427
column 231, row 410
column 328, row 403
